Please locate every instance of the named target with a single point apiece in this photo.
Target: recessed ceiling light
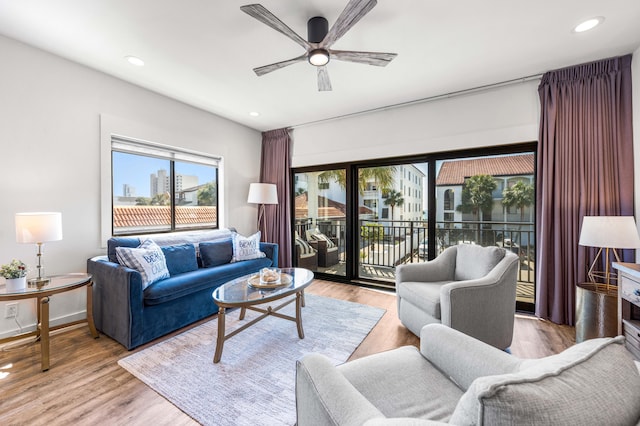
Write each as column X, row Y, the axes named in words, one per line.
column 588, row 24
column 133, row 60
column 254, row 114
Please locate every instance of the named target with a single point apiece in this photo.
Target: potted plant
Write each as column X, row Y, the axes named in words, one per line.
column 16, row 275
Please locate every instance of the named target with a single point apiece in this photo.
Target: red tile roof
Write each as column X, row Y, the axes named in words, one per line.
column 134, row 216
column 454, row 172
column 327, row 208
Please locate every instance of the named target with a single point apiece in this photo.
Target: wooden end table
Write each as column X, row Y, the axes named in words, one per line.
column 239, row 293
column 58, row 284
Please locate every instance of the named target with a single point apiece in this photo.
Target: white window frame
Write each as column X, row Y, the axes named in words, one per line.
column 125, row 136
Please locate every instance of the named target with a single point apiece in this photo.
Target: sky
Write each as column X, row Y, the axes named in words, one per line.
column 135, row 170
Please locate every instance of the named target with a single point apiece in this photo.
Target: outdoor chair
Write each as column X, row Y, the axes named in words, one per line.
column 468, row 287
column 306, row 256
column 328, row 254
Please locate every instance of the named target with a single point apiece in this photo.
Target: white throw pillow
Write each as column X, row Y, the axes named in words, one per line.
column 147, row 258
column 246, row 248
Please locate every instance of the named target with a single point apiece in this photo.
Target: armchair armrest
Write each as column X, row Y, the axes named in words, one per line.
column 117, row 300
column 441, row 268
column 325, row 396
column 462, row 357
column 465, row 304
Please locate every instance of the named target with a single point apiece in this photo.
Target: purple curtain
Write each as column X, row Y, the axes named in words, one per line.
column 585, row 168
column 276, row 162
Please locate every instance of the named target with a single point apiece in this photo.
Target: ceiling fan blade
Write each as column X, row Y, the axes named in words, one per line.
column 263, row 15
column 352, row 13
column 324, row 84
column 379, row 59
column 272, row 67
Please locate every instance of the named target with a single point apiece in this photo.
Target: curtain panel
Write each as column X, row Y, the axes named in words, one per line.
column 275, row 168
column 585, row 168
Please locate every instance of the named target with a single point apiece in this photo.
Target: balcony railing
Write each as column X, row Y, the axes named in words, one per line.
column 385, row 244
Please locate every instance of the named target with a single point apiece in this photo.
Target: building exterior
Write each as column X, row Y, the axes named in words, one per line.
column 160, row 182
column 506, row 171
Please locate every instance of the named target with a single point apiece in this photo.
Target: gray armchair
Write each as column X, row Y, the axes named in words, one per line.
column 468, row 287
column 456, row 379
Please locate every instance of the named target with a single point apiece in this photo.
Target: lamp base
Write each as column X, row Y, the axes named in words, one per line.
column 596, row 311
column 38, row 282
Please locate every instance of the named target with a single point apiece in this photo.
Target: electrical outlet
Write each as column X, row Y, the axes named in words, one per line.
column 11, row 310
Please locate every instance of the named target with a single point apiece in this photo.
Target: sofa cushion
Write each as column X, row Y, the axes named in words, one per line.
column 473, row 261
column 112, row 243
column 594, row 382
column 147, row 259
column 191, row 282
column 215, row 253
column 246, row 248
column 180, row 258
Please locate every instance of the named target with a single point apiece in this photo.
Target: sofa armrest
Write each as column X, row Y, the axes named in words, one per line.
column 271, row 250
column 325, row 396
column 117, row 300
column 441, row 268
column 462, row 357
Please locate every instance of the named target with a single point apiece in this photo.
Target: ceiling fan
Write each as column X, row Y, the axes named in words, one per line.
column 320, row 39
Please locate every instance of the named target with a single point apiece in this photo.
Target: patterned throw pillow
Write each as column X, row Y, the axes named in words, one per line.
column 147, row 259
column 322, row 237
column 246, row 248
column 304, row 246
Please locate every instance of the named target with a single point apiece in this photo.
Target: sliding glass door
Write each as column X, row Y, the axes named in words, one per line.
column 359, row 221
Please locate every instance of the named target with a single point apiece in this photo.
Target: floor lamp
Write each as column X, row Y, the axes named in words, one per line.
column 261, row 194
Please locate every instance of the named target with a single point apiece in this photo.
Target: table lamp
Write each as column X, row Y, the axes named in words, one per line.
column 262, row 193
column 608, row 233
column 38, row 228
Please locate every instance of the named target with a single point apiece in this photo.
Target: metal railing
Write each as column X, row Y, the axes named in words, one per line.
column 389, row 243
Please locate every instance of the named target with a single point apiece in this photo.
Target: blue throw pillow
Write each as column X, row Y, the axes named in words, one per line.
column 216, row 253
column 180, row 258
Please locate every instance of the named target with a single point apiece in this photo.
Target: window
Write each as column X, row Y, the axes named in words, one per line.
column 158, row 188
column 323, row 185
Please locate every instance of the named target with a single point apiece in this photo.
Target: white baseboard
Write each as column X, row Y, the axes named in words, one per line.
column 78, row 316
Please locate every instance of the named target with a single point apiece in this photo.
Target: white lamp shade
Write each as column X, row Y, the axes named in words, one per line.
column 38, row 227
column 263, row 193
column 609, row 232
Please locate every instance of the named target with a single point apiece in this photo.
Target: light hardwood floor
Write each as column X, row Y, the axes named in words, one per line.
column 85, row 385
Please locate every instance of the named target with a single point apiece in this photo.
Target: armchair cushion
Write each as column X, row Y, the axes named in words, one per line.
column 423, row 294
column 473, row 262
column 595, row 382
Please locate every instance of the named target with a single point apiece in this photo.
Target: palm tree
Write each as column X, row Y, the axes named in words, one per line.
column 394, row 198
column 383, row 177
column 520, row 195
column 477, row 195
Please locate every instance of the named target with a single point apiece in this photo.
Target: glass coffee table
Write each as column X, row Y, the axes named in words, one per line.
column 247, row 292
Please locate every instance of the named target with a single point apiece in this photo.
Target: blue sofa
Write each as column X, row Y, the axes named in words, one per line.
column 197, row 262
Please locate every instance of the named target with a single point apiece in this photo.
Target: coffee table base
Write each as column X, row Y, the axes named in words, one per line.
column 299, row 299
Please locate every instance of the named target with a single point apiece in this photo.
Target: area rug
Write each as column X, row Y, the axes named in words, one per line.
column 254, row 382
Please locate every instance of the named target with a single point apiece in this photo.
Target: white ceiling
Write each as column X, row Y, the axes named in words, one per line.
column 202, row 52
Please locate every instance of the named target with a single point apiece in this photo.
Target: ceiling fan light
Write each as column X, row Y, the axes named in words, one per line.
column 319, row 57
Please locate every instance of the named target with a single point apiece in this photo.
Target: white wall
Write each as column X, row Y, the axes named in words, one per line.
column 503, row 115
column 50, row 111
